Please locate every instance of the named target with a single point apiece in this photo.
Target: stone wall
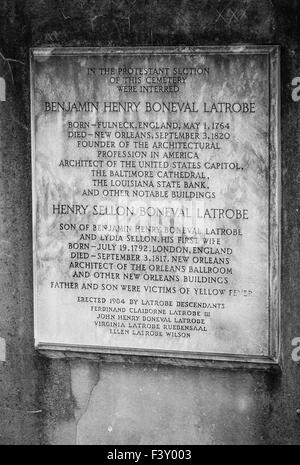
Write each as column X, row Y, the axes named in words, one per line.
column 55, row 401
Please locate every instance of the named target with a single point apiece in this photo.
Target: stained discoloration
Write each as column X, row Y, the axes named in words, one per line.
column 84, row 379
column 2, row 89
column 2, row 350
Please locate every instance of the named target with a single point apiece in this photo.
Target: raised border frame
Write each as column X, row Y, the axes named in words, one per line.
column 119, row 354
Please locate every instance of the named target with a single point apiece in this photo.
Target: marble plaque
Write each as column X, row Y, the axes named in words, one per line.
column 156, row 200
